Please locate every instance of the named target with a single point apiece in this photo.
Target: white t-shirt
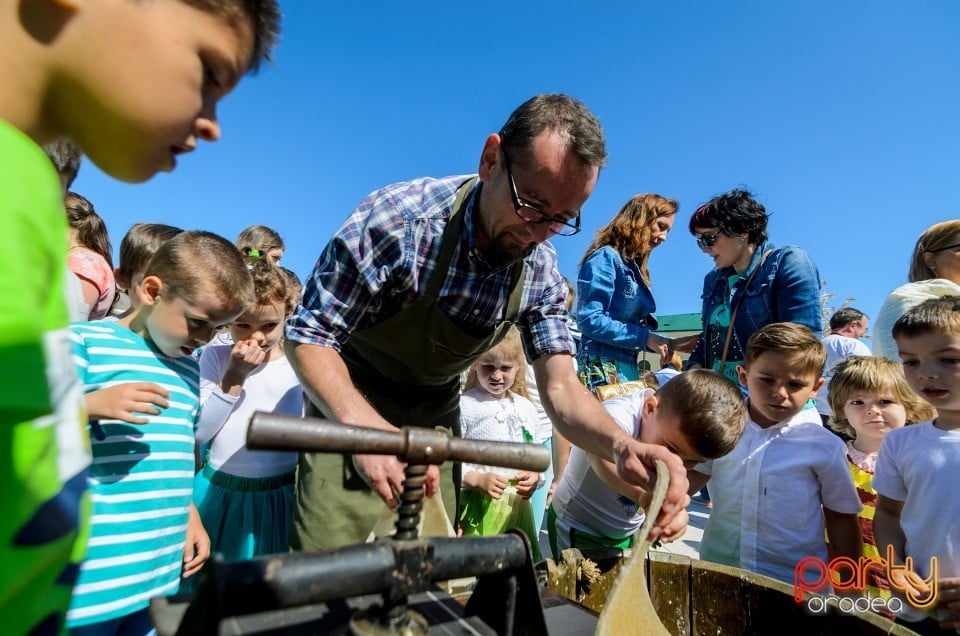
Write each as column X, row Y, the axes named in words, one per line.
column 767, row 495
column 920, row 466
column 272, row 387
column 838, row 349
column 582, row 501
column 499, row 420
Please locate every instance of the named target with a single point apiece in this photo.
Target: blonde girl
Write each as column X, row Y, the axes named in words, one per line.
column 494, row 406
column 245, row 498
column 870, row 397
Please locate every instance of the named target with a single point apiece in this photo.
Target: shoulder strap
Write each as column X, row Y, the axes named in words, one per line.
column 736, row 306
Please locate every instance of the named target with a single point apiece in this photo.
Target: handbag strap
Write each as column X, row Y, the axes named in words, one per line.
column 736, row 306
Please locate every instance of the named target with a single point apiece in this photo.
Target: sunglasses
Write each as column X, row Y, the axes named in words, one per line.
column 707, row 240
column 944, row 248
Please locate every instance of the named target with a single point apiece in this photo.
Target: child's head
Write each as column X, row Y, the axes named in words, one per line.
column 87, row 229
column 138, row 246
column 264, row 240
column 263, row 320
column 870, row 397
column 699, row 415
column 134, row 84
column 928, row 338
column 781, row 369
column 502, row 368
column 195, row 285
column 672, row 360
column 296, row 287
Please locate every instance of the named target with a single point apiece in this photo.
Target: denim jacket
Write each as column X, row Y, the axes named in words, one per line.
column 614, row 307
column 785, row 289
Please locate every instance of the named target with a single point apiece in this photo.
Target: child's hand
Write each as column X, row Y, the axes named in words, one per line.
column 245, row 356
column 121, row 401
column 526, row 483
column 492, row 484
column 909, row 586
column 197, row 550
column 677, row 527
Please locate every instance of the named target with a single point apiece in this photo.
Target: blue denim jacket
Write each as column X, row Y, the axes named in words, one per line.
column 614, row 307
column 785, row 289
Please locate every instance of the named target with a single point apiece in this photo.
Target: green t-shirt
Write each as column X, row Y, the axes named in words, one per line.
column 44, row 449
column 717, row 326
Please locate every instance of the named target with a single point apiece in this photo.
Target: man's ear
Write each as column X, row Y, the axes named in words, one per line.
column 742, row 374
column 151, row 289
column 489, row 158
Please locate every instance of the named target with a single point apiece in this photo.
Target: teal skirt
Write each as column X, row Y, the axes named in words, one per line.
column 245, row 517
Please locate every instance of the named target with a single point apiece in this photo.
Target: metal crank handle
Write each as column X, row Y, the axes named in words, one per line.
column 412, row 444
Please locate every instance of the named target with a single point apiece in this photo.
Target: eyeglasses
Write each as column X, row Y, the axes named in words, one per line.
column 944, row 248
column 531, row 214
column 707, row 240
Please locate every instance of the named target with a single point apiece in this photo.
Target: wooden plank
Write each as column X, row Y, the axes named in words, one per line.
column 668, row 576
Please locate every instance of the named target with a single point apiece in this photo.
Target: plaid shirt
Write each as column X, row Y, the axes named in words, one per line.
column 383, row 256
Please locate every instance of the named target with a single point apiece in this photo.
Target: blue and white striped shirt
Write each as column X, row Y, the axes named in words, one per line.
column 382, row 259
column 141, row 480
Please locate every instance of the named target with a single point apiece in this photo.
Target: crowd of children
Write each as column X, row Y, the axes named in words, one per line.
column 124, row 433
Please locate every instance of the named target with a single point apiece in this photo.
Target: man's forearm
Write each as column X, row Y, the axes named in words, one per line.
column 326, row 381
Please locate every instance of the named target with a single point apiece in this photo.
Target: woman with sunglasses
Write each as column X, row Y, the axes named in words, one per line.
column 753, row 283
column 934, row 273
column 615, row 306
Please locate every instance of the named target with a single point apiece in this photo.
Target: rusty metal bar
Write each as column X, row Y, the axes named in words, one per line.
column 271, row 431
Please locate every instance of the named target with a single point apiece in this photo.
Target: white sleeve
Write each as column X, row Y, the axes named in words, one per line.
column 215, row 405
column 837, row 490
column 887, row 480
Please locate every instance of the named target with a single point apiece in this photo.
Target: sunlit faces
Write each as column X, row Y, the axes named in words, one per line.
column 659, row 228
column 663, row 428
column 153, row 91
column 726, row 251
column 177, row 327
column 264, row 325
column 496, row 372
column 778, row 387
column 548, row 177
column 945, row 263
column 931, row 364
column 873, row 415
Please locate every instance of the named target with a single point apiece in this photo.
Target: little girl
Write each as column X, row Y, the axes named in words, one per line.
column 870, row 397
column 245, row 498
column 89, row 259
column 494, row 407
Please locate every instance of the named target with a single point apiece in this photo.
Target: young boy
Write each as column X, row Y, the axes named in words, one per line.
column 788, row 475
column 698, row 415
column 133, row 84
column 138, row 246
column 142, row 475
column 918, row 470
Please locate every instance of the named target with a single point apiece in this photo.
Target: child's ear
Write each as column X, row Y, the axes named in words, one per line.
column 742, row 374
column 650, row 405
column 817, row 385
column 122, row 283
column 151, row 288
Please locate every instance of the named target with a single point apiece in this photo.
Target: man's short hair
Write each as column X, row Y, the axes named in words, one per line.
column 563, row 114
column 710, row 409
column 844, row 316
column 934, row 316
column 790, row 340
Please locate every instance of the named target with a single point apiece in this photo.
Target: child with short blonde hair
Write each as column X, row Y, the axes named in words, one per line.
column 918, row 469
column 869, row 397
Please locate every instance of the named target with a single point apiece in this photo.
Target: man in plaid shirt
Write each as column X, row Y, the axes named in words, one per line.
column 422, row 278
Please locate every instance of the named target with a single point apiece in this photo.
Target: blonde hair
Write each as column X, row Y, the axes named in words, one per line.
column 876, row 375
column 793, row 342
column 629, row 231
column 511, row 348
column 935, row 237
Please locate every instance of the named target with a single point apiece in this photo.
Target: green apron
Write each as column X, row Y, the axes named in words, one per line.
column 408, row 367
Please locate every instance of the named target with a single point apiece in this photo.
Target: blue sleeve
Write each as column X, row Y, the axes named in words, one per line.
column 796, row 290
column 596, row 290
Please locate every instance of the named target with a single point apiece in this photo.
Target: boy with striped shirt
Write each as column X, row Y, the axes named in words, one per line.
column 141, row 479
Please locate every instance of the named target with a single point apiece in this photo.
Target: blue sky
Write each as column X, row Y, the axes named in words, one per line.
column 841, row 117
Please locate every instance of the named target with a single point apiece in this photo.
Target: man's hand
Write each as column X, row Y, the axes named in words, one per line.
column 197, row 550
column 526, row 483
column 636, row 464
column 948, row 598
column 121, row 401
column 384, row 473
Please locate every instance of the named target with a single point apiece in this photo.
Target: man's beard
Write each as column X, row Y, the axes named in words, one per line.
column 501, row 254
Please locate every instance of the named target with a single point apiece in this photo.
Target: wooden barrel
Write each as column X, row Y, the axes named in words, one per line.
column 699, row 598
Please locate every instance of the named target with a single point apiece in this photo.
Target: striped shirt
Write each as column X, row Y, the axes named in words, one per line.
column 141, row 480
column 381, row 259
